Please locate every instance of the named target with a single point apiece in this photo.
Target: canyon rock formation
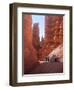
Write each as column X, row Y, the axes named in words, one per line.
column 58, row 53
column 52, row 44
column 30, row 56
column 53, row 35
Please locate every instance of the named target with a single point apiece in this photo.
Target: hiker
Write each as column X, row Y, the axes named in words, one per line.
column 47, row 59
column 53, row 58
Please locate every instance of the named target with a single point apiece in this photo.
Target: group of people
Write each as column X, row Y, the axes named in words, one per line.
column 54, row 58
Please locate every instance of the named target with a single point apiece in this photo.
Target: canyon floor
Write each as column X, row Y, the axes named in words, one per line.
column 55, row 67
column 53, row 63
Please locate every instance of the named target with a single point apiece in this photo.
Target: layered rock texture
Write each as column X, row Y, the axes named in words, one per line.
column 30, row 56
column 53, row 35
column 49, row 49
column 36, row 40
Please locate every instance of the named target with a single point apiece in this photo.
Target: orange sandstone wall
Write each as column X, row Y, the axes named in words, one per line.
column 36, row 39
column 35, row 50
column 30, row 56
column 53, row 35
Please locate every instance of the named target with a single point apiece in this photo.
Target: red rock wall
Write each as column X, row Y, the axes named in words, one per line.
column 35, row 50
column 36, row 40
column 30, row 57
column 54, row 30
column 53, row 35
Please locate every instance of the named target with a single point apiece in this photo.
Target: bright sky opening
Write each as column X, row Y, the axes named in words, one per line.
column 39, row 19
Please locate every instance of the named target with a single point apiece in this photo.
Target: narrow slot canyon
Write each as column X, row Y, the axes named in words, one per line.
column 43, row 53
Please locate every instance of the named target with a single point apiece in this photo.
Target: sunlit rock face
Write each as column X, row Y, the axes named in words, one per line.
column 56, row 55
column 54, row 30
column 50, row 47
column 30, row 56
column 53, row 35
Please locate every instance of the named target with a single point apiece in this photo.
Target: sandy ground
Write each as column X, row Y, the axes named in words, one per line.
column 54, row 67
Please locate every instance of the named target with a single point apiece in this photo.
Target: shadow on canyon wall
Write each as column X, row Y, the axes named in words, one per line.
column 45, row 56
